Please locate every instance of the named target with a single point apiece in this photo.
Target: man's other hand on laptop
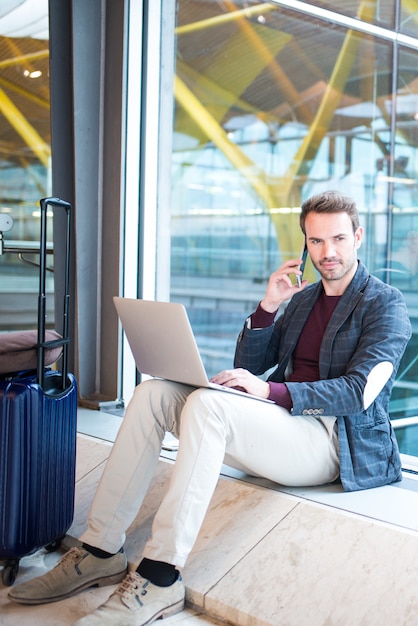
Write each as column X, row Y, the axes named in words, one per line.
column 244, row 381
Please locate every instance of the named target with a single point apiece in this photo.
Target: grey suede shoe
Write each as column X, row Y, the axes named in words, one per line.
column 77, row 570
column 137, row 602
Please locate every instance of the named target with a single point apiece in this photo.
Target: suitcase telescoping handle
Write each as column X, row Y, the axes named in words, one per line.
column 42, row 344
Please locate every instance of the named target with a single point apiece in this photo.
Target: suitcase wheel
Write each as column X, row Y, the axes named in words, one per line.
column 10, row 570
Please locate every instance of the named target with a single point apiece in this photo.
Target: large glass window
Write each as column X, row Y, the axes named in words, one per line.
column 24, row 154
column 271, row 106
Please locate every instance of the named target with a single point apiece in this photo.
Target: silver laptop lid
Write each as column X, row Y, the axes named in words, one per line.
column 162, row 341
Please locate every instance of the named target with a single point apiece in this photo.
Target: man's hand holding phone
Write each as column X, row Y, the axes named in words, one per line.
column 280, row 286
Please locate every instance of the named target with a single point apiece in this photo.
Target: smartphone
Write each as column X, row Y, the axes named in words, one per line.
column 303, row 256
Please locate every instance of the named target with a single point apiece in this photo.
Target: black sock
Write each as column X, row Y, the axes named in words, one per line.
column 158, row 572
column 101, row 554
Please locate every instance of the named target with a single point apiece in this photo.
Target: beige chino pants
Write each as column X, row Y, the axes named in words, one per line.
column 214, row 427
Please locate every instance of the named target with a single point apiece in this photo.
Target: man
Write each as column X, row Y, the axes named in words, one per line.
column 336, row 349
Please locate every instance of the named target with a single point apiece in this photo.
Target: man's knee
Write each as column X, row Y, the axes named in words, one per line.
column 202, row 404
column 199, row 398
column 160, row 400
column 153, row 390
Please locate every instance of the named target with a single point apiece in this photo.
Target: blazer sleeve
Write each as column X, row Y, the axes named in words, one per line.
column 257, row 350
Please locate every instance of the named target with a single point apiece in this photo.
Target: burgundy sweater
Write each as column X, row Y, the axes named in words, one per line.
column 306, row 353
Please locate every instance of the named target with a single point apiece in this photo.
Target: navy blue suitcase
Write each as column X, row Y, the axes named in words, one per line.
column 38, row 434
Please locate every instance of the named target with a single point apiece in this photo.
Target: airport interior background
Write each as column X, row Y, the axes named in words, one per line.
column 187, row 134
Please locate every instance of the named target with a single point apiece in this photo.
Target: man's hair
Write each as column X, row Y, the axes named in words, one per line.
column 330, row 202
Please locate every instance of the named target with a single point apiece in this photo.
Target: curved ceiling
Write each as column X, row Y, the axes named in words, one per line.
column 24, row 18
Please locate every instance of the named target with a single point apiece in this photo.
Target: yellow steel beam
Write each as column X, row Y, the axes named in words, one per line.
column 229, row 82
column 222, row 85
column 329, row 103
column 256, row 177
column 286, row 224
column 193, row 103
column 210, row 127
column 286, row 193
column 261, row 50
column 205, row 86
column 25, row 93
column 24, row 129
column 224, row 18
column 236, row 67
column 24, row 58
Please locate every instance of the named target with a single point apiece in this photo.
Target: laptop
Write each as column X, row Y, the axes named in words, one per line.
column 163, row 344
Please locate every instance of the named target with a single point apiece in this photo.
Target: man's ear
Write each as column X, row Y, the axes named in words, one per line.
column 358, row 235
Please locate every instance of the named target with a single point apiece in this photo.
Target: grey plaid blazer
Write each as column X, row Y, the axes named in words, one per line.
column 359, row 356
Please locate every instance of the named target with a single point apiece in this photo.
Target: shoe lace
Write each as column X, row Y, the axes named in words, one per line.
column 129, row 584
column 72, row 555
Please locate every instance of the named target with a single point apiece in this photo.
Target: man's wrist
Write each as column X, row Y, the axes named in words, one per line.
column 279, row 393
column 261, row 318
column 269, row 307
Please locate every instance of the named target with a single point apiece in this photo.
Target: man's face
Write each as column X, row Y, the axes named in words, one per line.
column 333, row 248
